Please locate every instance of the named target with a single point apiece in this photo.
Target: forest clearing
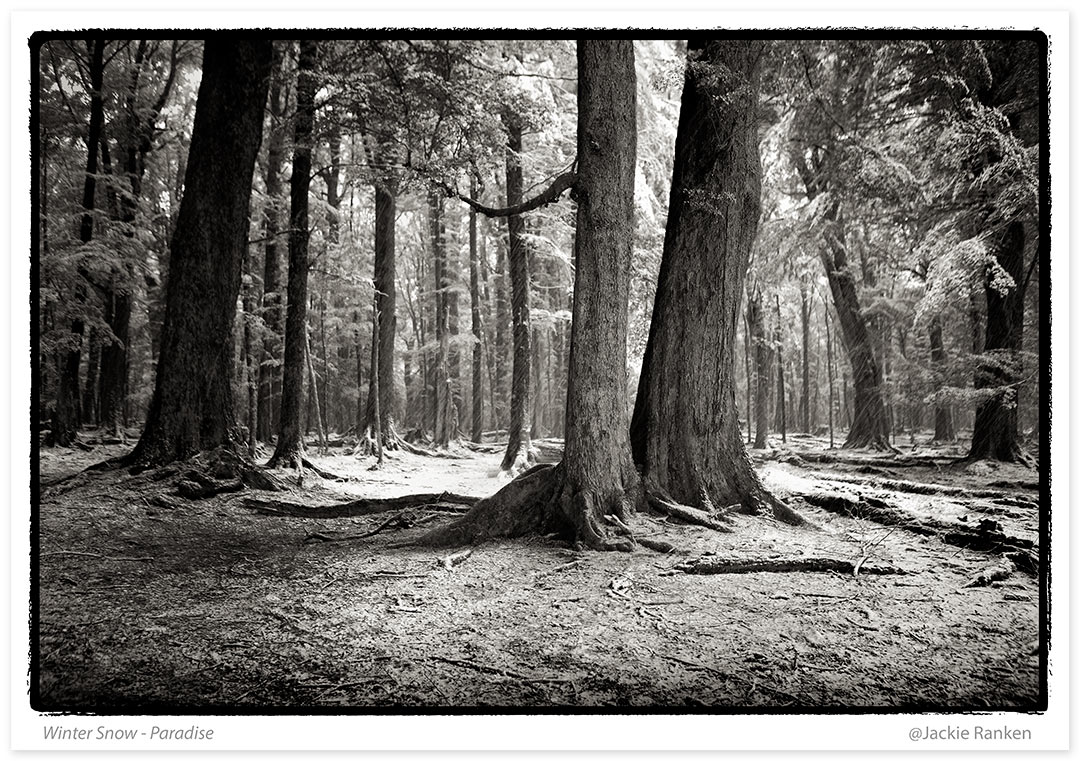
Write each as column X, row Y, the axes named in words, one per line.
column 185, row 607
column 692, row 375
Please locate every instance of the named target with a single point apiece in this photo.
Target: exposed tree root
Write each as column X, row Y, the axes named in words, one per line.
column 914, row 487
column 444, row 502
column 320, row 472
column 709, row 566
column 686, row 513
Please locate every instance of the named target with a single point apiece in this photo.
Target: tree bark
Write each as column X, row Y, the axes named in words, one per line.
column 191, row 408
column 290, row 443
column 781, row 412
column 685, row 429
column 272, row 301
column 597, row 477
column 437, row 230
column 518, row 433
column 804, row 404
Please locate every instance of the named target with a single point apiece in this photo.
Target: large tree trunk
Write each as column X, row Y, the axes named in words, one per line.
column 290, row 443
column 996, row 430
column 386, row 305
column 518, row 260
column 191, row 408
column 597, row 477
column 685, row 429
column 272, row 301
column 944, row 431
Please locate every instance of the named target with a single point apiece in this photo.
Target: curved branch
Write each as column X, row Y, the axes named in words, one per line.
column 559, row 185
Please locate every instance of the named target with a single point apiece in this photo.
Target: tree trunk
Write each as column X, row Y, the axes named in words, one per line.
column 272, row 301
column 829, row 367
column 755, row 319
column 995, row 435
column 501, row 390
column 781, row 413
column 596, row 477
column 804, row 303
column 92, row 388
column 944, row 430
column 386, row 305
column 67, row 417
column 870, row 424
column 191, row 408
column 437, row 230
column 290, row 443
column 518, row 433
column 313, row 393
column 477, row 329
column 685, row 429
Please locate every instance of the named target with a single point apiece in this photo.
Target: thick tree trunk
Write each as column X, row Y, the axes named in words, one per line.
column 518, row 259
column 996, row 432
column 685, row 430
column 290, row 443
column 191, row 408
column 477, row 328
column 596, row 478
column 944, row 431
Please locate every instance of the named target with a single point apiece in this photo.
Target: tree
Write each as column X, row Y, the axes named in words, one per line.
column 596, row 477
column 517, row 258
column 191, row 408
column 685, row 428
column 290, row 445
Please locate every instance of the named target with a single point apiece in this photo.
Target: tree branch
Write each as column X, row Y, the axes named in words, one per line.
column 559, row 185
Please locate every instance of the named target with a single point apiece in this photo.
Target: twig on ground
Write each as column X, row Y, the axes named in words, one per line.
column 455, row 559
column 97, row 555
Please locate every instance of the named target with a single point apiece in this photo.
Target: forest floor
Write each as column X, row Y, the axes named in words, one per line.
column 208, row 605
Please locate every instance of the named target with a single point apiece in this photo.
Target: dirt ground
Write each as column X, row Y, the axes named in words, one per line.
column 210, row 606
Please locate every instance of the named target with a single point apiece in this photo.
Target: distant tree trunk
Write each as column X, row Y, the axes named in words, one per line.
column 943, row 420
column 685, row 429
column 501, row 390
column 755, row 318
column 191, row 408
column 376, row 415
column 829, row 366
column 747, row 353
column 870, row 425
column 386, row 305
column 313, row 383
column 272, row 301
column 518, row 433
column 91, row 388
column 477, row 329
column 67, row 417
column 596, row 477
column 804, row 303
column 996, row 432
column 781, row 406
column 437, row 229
column 290, row 443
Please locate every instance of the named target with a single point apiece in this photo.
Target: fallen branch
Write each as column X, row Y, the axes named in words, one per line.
column 444, row 502
column 97, row 555
column 712, row 566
